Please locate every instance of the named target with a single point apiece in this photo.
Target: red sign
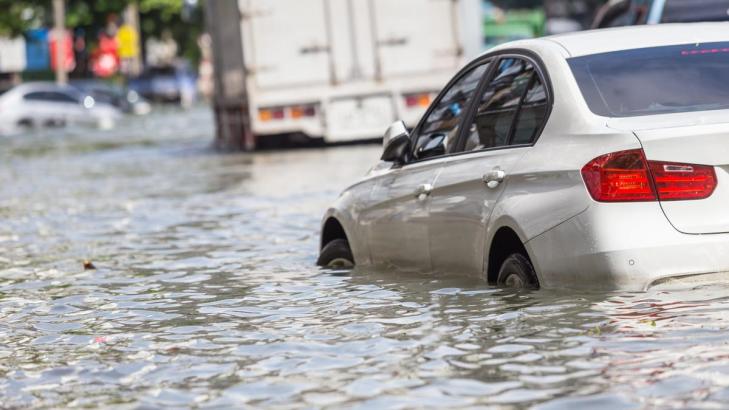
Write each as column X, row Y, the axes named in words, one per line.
column 106, row 57
column 68, row 60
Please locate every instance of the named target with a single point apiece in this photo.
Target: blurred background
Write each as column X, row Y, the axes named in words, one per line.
column 273, row 72
column 199, row 286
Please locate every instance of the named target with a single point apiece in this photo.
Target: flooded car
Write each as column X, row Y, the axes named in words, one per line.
column 601, row 152
column 167, row 84
column 128, row 101
column 41, row 104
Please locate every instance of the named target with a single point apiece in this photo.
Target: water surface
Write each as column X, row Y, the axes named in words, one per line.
column 205, row 296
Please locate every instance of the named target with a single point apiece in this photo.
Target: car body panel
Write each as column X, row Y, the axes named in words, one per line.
column 346, row 211
column 665, row 121
column 396, row 225
column 621, row 38
column 698, row 144
column 462, row 202
column 623, row 246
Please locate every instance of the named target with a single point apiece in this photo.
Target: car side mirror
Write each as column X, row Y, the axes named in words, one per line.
column 397, row 143
column 395, row 129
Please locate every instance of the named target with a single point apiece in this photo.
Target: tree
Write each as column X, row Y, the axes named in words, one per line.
column 18, row 16
column 181, row 18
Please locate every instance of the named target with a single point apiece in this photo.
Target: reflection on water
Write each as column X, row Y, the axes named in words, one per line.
column 205, row 295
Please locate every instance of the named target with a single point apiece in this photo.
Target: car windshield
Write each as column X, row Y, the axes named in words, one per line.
column 656, row 80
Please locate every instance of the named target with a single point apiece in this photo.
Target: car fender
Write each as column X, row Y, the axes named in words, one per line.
column 344, row 211
column 497, row 222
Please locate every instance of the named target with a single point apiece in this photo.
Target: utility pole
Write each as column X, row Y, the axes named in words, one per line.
column 59, row 31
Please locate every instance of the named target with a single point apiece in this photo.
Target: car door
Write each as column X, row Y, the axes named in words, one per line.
column 505, row 124
column 38, row 109
column 397, row 224
column 69, row 106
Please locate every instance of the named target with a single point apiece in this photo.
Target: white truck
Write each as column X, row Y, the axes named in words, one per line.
column 341, row 70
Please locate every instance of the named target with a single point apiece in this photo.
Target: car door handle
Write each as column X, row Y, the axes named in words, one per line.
column 494, row 178
column 423, row 191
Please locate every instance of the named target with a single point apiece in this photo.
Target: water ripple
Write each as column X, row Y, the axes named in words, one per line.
column 205, row 296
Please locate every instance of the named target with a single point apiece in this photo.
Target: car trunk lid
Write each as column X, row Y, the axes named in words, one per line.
column 690, row 139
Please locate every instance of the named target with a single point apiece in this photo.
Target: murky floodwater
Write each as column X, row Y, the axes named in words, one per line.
column 205, row 296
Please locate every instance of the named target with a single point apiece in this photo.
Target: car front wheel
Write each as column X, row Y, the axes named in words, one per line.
column 517, row 272
column 336, row 254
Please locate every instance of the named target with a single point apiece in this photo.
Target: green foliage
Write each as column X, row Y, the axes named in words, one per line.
column 156, row 17
column 18, row 16
column 169, row 9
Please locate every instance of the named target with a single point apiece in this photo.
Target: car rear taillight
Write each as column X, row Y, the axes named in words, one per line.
column 677, row 182
column 619, row 177
column 626, row 176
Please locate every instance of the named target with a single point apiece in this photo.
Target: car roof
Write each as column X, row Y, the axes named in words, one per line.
column 631, row 37
column 20, row 90
column 44, row 86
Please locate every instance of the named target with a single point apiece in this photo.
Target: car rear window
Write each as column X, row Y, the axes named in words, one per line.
column 656, row 80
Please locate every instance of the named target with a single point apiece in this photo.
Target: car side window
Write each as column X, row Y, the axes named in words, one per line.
column 55, row 96
column 532, row 113
column 35, row 96
column 438, row 133
column 50, row 96
column 511, row 109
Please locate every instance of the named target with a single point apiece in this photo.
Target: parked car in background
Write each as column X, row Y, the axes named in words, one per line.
column 633, row 12
column 168, row 84
column 594, row 159
column 42, row 104
column 128, row 101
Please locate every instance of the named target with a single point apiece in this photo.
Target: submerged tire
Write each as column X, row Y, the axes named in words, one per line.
column 336, row 254
column 517, row 272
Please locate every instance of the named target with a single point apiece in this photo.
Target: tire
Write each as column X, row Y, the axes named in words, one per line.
column 336, row 254
column 517, row 272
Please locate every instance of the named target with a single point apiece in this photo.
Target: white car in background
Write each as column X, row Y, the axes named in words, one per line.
column 596, row 159
column 42, row 104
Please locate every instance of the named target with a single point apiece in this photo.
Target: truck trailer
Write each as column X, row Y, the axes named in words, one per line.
column 333, row 70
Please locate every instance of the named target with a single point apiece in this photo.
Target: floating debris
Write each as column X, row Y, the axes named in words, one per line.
column 88, row 265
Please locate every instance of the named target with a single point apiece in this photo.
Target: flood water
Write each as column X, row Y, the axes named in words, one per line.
column 205, row 295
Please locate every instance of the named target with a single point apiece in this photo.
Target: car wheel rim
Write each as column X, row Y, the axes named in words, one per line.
column 514, row 281
column 340, row 263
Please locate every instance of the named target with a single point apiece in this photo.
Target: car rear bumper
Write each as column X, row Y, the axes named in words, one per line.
column 629, row 246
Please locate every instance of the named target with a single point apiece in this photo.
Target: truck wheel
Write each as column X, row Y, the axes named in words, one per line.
column 517, row 272
column 336, row 254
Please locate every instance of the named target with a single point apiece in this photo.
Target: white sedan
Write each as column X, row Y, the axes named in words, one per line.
column 42, row 104
column 597, row 159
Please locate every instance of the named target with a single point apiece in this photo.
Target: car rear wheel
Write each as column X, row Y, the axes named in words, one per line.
column 517, row 272
column 336, row 254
